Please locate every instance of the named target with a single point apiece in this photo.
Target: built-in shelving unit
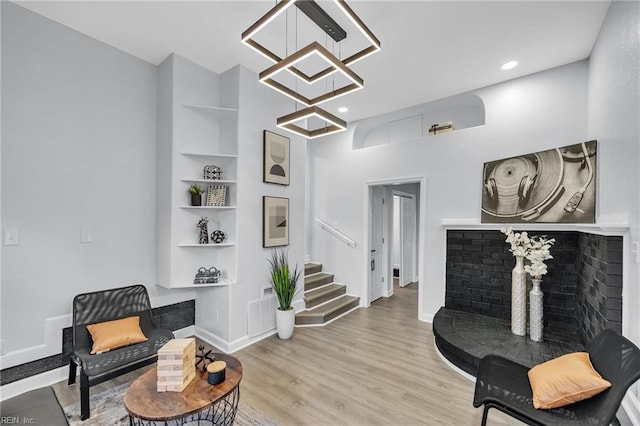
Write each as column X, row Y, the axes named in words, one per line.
column 197, row 129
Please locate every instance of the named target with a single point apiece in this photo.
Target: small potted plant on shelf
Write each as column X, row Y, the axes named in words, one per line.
column 196, row 194
column 284, row 282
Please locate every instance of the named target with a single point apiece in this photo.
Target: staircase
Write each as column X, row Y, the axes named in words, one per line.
column 324, row 299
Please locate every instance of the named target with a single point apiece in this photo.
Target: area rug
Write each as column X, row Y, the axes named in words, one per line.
column 107, row 409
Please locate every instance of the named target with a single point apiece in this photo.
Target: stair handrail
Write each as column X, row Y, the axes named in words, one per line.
column 324, row 225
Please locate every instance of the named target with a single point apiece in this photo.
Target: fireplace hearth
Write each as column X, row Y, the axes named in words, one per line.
column 582, row 295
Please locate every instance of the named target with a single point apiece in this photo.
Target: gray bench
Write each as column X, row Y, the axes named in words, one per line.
column 108, row 305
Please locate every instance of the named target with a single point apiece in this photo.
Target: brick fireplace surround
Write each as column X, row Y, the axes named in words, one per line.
column 582, row 295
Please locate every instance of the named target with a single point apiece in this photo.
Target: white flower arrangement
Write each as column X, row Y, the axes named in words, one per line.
column 535, row 249
column 520, row 241
column 538, row 253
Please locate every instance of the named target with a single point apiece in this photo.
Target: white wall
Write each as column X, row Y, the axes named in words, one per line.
column 259, row 107
column 78, row 152
column 529, row 114
column 614, row 111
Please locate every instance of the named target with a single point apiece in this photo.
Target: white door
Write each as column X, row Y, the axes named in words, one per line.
column 407, row 240
column 375, row 243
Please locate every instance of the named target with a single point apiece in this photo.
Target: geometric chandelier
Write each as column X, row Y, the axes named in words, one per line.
column 331, row 67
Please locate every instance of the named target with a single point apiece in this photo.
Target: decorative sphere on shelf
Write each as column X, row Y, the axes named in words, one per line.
column 218, row 236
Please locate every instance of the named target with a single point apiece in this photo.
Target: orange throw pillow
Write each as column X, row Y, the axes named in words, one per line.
column 115, row 334
column 565, row 380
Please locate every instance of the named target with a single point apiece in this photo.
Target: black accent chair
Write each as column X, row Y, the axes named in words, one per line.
column 504, row 385
column 107, row 305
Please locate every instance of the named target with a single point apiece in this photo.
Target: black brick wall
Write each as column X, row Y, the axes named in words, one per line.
column 599, row 297
column 478, row 276
column 171, row 317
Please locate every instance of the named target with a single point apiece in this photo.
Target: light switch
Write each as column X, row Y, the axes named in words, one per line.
column 85, row 236
column 11, row 237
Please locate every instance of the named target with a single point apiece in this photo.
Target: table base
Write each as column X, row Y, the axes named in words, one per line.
column 220, row 413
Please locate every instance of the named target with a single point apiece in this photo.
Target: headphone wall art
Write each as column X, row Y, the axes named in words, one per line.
column 557, row 185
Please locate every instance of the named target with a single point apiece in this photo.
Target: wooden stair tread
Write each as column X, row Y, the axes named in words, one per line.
column 317, row 280
column 323, row 294
column 312, row 268
column 328, row 311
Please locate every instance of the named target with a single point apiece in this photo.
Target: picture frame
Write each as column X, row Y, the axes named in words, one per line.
column 553, row 186
column 275, row 221
column 276, row 158
column 216, row 195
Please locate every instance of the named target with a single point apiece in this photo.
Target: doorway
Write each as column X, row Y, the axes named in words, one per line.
column 382, row 217
column 404, row 237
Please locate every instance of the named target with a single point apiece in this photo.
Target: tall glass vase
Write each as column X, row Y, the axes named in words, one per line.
column 519, row 298
column 535, row 311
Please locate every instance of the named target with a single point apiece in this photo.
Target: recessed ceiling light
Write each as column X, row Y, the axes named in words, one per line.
column 509, row 65
column 343, row 109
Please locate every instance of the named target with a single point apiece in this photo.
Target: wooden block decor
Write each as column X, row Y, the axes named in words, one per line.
column 176, row 365
column 444, row 127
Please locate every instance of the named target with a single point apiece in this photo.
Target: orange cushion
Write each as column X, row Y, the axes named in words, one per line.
column 565, row 380
column 115, row 334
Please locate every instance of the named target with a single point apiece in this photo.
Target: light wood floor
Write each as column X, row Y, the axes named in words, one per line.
column 375, row 366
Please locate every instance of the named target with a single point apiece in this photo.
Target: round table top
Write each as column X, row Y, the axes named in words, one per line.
column 142, row 400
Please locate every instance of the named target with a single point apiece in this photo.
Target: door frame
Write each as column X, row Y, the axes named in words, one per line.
column 382, row 266
column 422, row 181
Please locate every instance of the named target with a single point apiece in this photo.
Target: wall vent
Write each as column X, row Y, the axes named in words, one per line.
column 262, row 315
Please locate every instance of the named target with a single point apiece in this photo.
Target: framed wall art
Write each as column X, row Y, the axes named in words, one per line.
column 275, row 158
column 216, row 195
column 275, row 221
column 553, row 186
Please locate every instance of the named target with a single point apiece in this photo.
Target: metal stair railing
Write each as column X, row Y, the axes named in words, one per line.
column 333, row 231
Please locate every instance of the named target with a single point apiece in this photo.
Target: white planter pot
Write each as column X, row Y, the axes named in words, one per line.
column 285, row 322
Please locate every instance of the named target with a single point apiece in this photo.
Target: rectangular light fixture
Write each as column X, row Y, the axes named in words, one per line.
column 334, row 124
column 283, row 5
column 288, row 63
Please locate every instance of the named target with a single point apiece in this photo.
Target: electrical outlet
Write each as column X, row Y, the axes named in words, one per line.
column 11, row 237
column 85, row 236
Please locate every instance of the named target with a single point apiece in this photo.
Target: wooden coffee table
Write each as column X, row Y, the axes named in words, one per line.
column 200, row 401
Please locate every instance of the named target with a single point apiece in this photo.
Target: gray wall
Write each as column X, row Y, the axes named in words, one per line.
column 78, row 153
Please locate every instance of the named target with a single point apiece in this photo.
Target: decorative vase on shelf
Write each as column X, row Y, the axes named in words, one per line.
column 535, row 311
column 519, row 298
column 285, row 322
column 196, row 199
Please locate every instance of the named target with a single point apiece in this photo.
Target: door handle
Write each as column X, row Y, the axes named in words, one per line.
column 373, row 264
column 373, row 251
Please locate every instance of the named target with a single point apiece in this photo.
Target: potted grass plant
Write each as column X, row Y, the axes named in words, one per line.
column 284, row 281
column 196, row 194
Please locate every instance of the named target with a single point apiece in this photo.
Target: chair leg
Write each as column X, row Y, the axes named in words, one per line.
column 484, row 414
column 72, row 372
column 84, row 396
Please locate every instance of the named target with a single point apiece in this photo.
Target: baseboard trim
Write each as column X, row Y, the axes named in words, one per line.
column 631, row 407
column 426, row 318
column 52, row 344
column 183, row 333
column 47, row 378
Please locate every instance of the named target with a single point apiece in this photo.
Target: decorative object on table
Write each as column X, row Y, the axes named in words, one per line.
column 176, row 365
column 557, row 185
column 196, row 195
column 284, row 281
column 204, row 231
column 538, row 253
column 216, row 372
column 520, row 243
column 204, row 358
column 212, row 172
column 216, row 196
column 218, row 236
column 444, row 127
column 275, row 158
column 207, row 276
column 275, row 221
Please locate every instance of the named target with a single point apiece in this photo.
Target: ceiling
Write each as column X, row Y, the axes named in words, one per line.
column 430, row 49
